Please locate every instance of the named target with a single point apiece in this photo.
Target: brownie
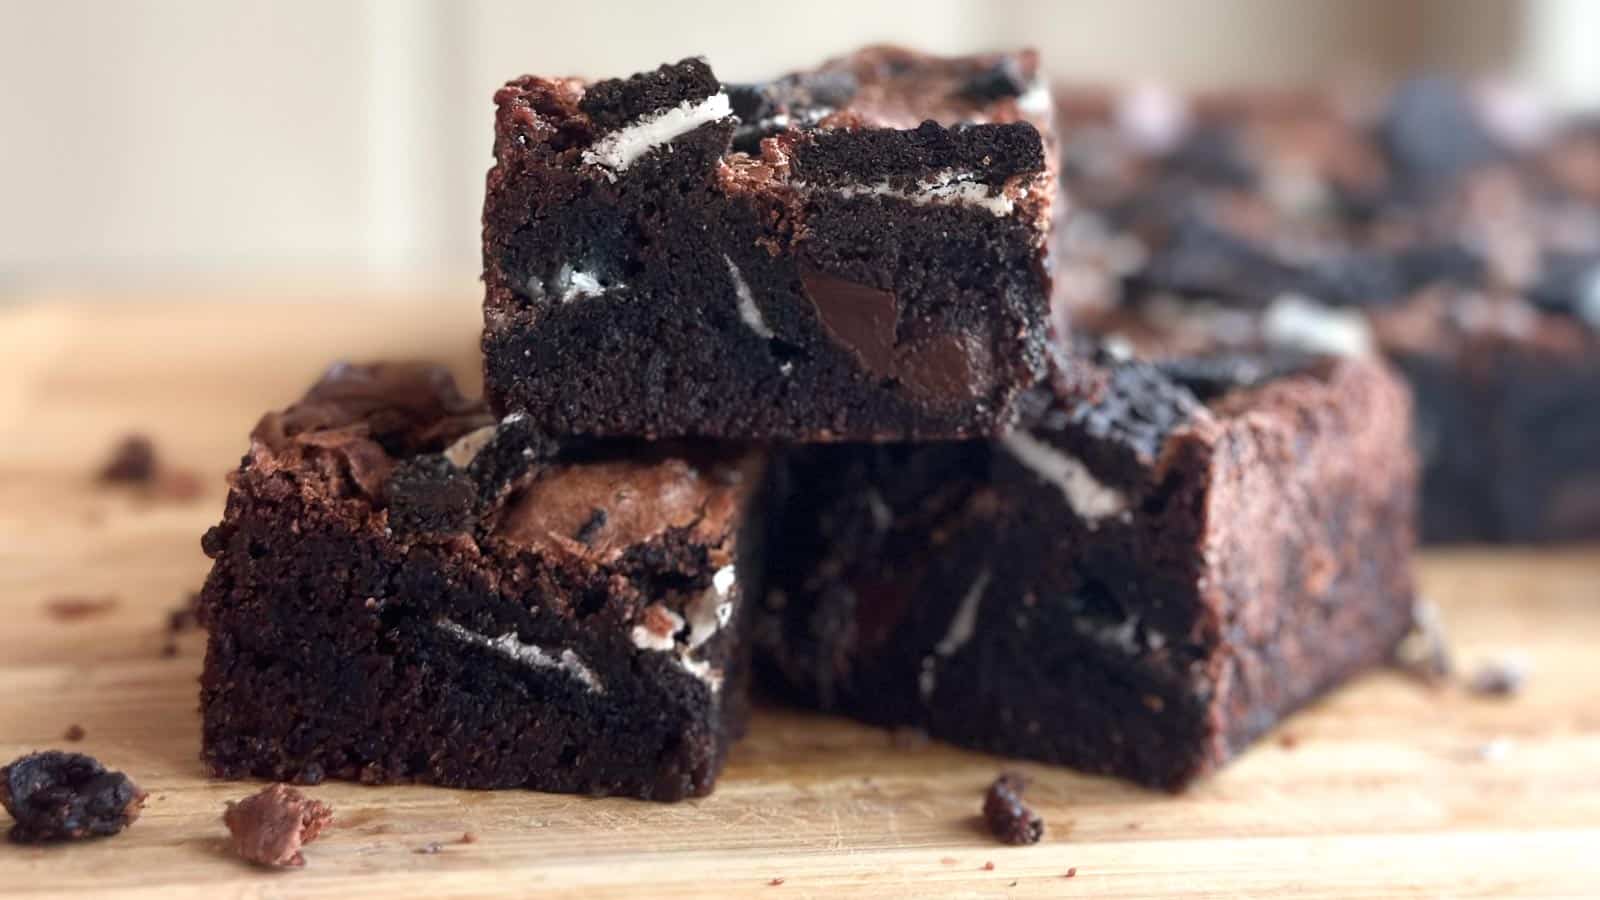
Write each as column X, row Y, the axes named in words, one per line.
column 1137, row 585
column 860, row 251
column 405, row 588
column 1452, row 230
column 57, row 796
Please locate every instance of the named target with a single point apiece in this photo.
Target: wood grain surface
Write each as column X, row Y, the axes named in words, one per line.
column 1385, row 789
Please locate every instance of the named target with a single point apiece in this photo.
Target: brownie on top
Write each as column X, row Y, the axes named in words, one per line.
column 407, row 588
column 1138, row 585
column 854, row 252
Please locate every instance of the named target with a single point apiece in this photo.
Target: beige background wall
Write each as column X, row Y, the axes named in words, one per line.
column 149, row 140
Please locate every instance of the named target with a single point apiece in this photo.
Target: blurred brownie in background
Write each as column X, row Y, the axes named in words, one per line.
column 1452, row 228
column 854, row 252
column 1137, row 585
column 406, row 588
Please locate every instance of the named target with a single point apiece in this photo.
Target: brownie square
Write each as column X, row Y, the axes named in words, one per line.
column 1139, row 585
column 406, row 588
column 854, row 252
column 1451, row 232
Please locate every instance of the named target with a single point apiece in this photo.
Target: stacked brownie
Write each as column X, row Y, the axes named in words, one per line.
column 771, row 369
column 1448, row 227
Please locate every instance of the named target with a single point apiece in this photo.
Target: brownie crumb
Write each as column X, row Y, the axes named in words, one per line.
column 988, row 866
column 1071, row 873
column 185, row 616
column 270, row 827
column 1425, row 652
column 775, row 882
column 1288, row 741
column 74, row 733
column 1009, row 818
column 71, row 607
column 1499, row 678
column 56, row 796
column 133, row 461
column 429, row 848
column 468, row 838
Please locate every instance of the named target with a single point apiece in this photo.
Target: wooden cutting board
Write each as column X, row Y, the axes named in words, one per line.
column 1385, row 789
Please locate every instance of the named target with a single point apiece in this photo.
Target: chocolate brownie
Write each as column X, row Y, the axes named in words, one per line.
column 1454, row 232
column 855, row 252
column 1138, row 585
column 407, row 589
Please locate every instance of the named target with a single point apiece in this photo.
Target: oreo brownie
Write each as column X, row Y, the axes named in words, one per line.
column 1139, row 585
column 1454, row 231
column 407, row 589
column 855, row 252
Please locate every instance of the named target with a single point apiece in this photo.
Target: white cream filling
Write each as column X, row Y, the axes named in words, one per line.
column 509, row 646
column 468, row 446
column 1036, row 100
column 748, row 311
column 965, row 621
column 952, row 188
column 570, row 284
column 621, row 148
column 963, row 625
column 1304, row 324
column 704, row 616
column 1088, row 497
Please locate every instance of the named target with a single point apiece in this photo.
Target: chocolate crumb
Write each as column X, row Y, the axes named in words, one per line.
column 1071, row 873
column 468, row 838
column 429, row 848
column 775, row 882
column 56, row 796
column 74, row 733
column 1008, row 817
column 1288, row 740
column 185, row 616
column 133, row 461
column 988, row 866
column 71, row 607
column 1425, row 652
column 271, row 826
column 1499, row 678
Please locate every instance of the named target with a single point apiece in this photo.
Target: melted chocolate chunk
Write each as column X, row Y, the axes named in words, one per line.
column 860, row 318
column 55, row 796
column 1010, row 819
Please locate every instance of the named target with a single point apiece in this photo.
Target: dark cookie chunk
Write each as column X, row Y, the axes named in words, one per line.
column 429, row 495
column 132, row 462
column 1010, row 819
column 1006, row 78
column 1431, row 131
column 613, row 103
column 270, row 827
column 56, row 796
